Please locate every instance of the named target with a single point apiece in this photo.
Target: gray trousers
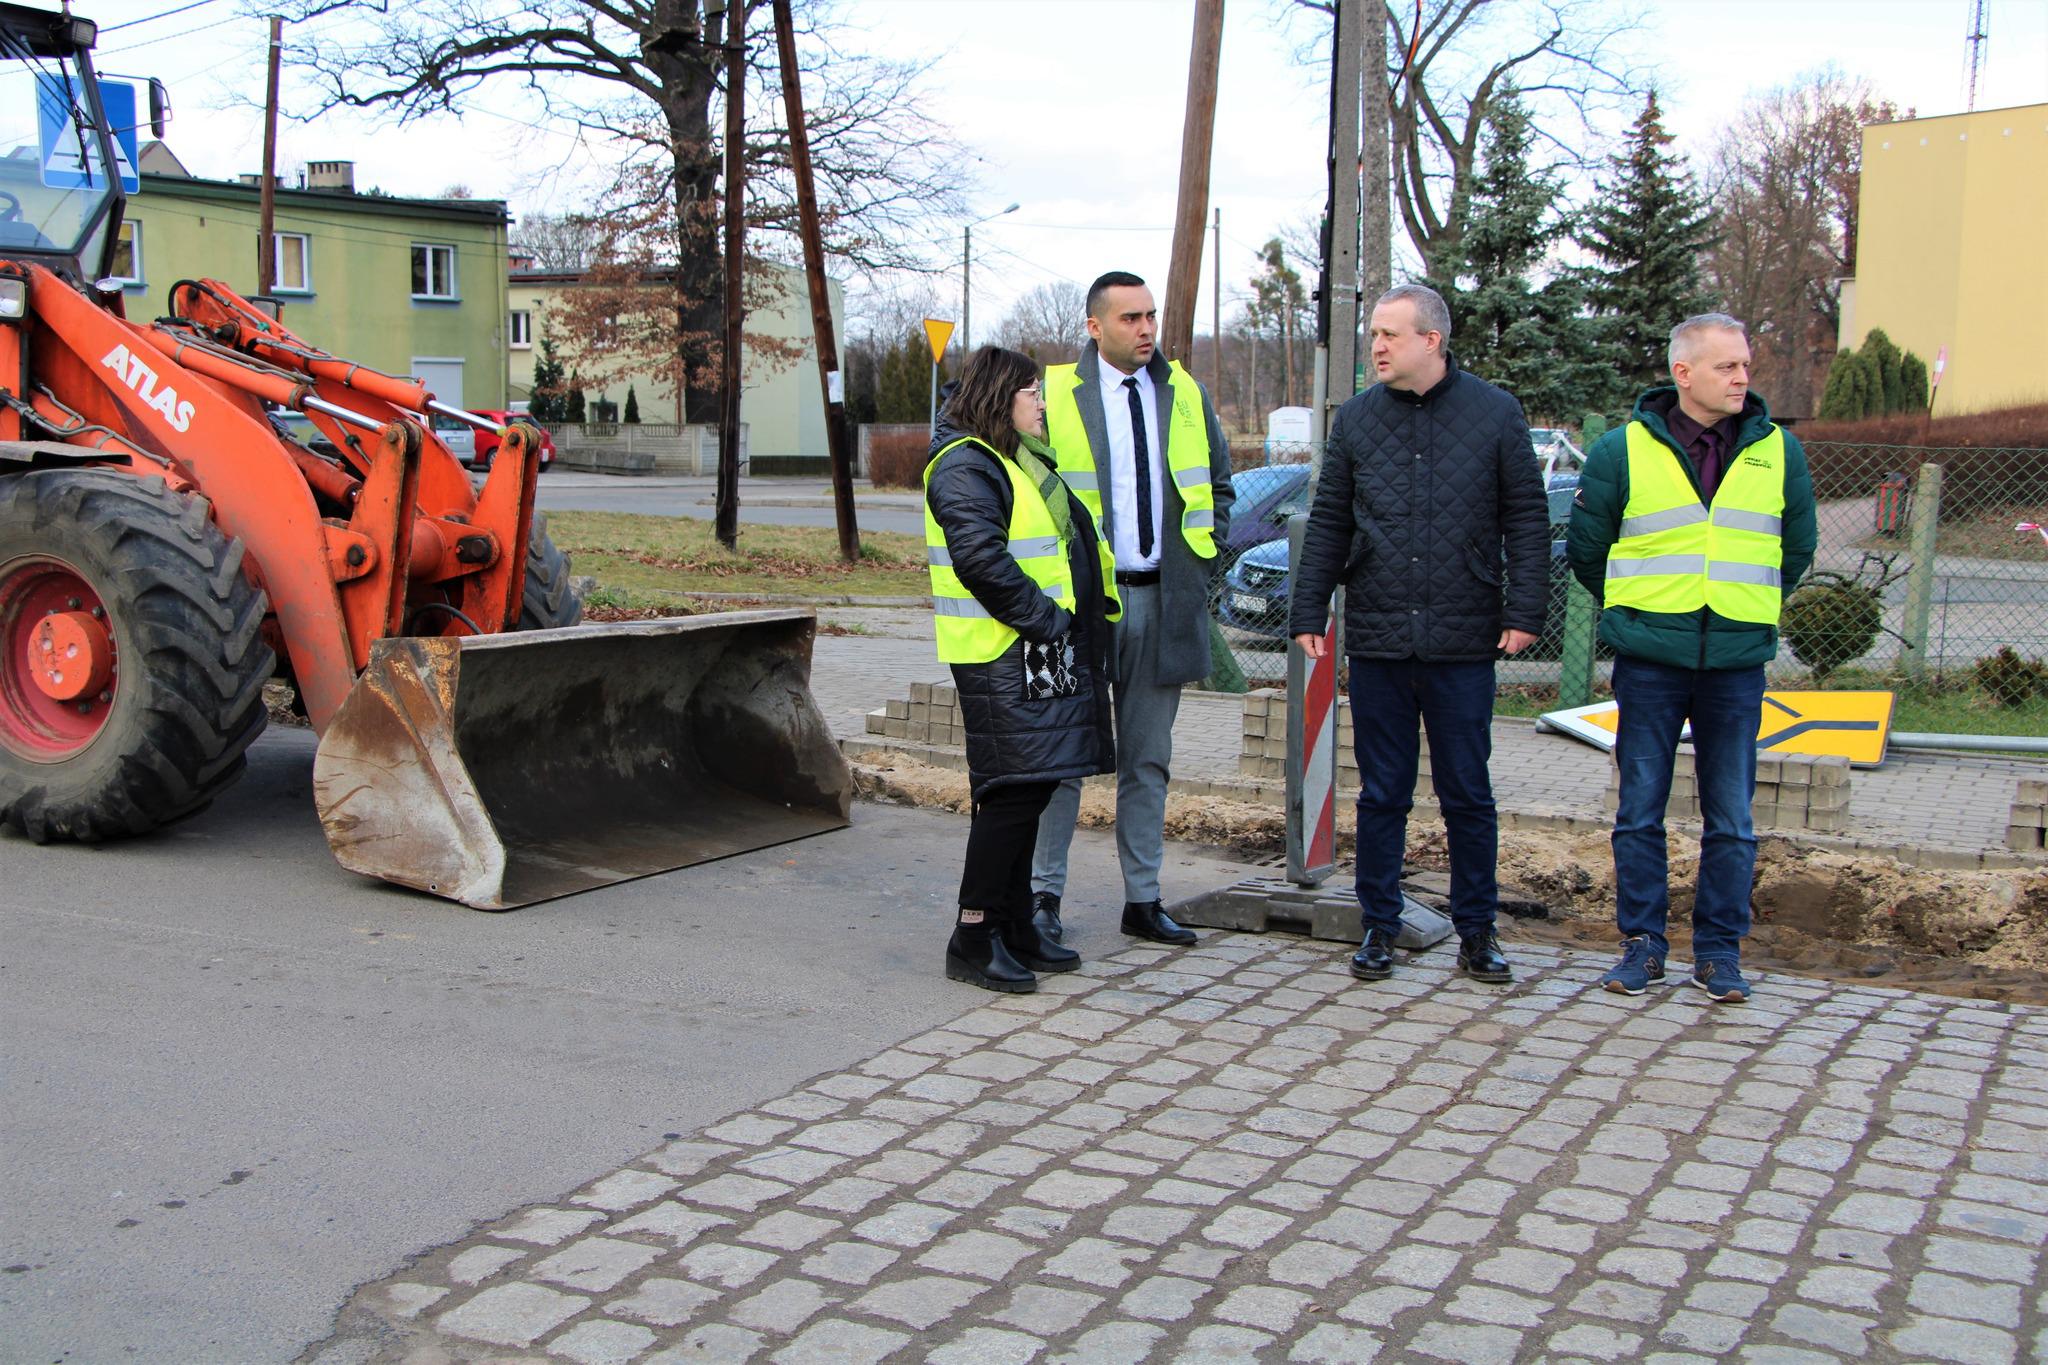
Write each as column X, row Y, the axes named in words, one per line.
column 1145, row 709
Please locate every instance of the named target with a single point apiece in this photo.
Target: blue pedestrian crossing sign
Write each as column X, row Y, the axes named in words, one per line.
column 70, row 145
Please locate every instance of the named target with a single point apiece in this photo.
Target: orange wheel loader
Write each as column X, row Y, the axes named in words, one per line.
column 165, row 551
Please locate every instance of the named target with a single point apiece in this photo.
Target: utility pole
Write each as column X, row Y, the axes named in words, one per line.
column 1375, row 135
column 1184, row 273
column 266, row 214
column 1337, row 295
column 814, row 278
column 727, row 511
column 967, row 290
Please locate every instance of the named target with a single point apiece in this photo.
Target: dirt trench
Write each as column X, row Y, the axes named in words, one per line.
column 1842, row 916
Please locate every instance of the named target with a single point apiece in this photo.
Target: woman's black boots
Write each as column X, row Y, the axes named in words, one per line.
column 977, row 955
column 1027, row 943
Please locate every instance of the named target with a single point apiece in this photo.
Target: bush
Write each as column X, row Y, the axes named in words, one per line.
column 1838, row 394
column 1882, row 355
column 896, row 458
column 1834, row 618
column 2008, row 679
column 1912, row 384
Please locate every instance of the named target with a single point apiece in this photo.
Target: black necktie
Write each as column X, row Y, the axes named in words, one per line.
column 1141, row 460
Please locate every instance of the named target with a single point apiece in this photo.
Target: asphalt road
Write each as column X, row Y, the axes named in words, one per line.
column 763, row 502
column 239, row 1081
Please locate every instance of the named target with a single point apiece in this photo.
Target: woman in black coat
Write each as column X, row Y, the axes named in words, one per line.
column 1037, row 712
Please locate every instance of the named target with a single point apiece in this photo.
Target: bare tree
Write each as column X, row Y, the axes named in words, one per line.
column 1784, row 177
column 556, row 241
column 644, row 75
column 1448, row 60
column 1047, row 322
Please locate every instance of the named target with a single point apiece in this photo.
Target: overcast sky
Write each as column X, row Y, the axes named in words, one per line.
column 1074, row 108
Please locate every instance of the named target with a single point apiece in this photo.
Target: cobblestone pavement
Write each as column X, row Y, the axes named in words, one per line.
column 1916, row 801
column 1235, row 1152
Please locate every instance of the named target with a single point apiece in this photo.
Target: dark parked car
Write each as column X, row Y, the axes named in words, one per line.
column 1266, row 498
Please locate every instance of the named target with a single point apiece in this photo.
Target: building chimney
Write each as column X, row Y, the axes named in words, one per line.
column 331, row 175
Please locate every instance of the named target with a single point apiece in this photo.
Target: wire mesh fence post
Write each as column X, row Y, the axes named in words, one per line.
column 1575, row 661
column 1926, row 518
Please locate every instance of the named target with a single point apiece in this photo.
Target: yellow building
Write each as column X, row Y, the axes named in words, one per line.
column 782, row 405
column 1952, row 252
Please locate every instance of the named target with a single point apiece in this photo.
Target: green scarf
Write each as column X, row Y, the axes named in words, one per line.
column 1038, row 462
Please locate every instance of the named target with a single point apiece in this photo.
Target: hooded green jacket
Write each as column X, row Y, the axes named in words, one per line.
column 1693, row 639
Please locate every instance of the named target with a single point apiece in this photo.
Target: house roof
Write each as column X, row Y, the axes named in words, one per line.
column 475, row 211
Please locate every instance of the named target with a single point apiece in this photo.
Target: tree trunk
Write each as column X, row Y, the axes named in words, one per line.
column 686, row 65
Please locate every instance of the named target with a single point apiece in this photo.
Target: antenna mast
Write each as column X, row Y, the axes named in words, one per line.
column 1975, row 41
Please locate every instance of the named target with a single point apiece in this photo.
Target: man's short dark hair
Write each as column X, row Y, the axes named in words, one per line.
column 1115, row 279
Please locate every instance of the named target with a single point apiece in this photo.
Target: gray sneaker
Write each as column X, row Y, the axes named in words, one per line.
column 1721, row 980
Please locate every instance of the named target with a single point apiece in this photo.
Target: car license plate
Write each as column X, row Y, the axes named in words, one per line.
column 1248, row 604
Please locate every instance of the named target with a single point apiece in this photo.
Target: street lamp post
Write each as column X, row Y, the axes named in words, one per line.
column 966, row 266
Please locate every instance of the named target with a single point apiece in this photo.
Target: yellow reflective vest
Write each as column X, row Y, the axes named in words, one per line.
column 1676, row 555
column 966, row 632
column 1187, row 453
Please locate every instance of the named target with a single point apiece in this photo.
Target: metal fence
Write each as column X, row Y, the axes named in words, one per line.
column 1923, row 583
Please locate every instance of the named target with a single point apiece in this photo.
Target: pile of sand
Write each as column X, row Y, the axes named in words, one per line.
column 1848, row 917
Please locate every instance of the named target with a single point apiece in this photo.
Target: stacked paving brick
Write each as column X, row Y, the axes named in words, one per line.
column 1263, row 756
column 1793, row 791
column 931, row 716
column 2027, row 830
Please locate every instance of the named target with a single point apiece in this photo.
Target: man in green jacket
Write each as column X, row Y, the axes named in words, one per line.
column 1691, row 525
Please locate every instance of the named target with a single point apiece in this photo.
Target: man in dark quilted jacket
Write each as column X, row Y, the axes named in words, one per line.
column 1431, row 514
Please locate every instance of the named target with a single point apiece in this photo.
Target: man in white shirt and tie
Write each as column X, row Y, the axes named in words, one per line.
column 1140, row 444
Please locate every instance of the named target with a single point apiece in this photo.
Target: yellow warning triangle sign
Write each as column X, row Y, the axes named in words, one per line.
column 938, row 334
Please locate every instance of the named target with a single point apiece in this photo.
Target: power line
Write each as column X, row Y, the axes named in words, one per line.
column 181, row 33
column 150, row 19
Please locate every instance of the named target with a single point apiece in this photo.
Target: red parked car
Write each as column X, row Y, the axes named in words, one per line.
column 487, row 441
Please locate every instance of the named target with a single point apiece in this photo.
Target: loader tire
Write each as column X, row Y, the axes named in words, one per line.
column 146, row 586
column 550, row 599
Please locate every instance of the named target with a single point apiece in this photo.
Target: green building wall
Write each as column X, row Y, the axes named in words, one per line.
column 360, row 304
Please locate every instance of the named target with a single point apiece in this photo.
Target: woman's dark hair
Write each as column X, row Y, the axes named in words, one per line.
column 981, row 406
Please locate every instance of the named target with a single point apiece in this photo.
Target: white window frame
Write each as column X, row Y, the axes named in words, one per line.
column 444, row 251
column 277, row 263
column 134, row 253
column 519, row 329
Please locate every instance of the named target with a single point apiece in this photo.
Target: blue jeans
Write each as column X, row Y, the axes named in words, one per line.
column 1725, row 706
column 1455, row 702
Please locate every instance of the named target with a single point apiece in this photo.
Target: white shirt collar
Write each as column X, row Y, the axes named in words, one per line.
column 1113, row 378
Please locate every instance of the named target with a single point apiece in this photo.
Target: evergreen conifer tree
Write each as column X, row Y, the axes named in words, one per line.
column 1912, row 383
column 1647, row 230
column 1884, row 353
column 1838, row 394
column 1535, row 342
column 632, row 406
column 550, row 380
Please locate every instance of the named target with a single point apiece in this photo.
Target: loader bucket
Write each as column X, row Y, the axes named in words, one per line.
column 498, row 770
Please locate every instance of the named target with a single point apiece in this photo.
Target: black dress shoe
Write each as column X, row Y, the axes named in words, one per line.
column 1480, row 957
column 1045, row 913
column 1374, row 960
column 979, row 958
column 1028, row 943
column 1144, row 919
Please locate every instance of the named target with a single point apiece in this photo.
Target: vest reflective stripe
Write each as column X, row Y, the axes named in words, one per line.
column 1185, row 435
column 969, row 607
column 1676, row 555
column 1656, row 564
column 1663, row 521
column 1744, row 573
column 1760, row 522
